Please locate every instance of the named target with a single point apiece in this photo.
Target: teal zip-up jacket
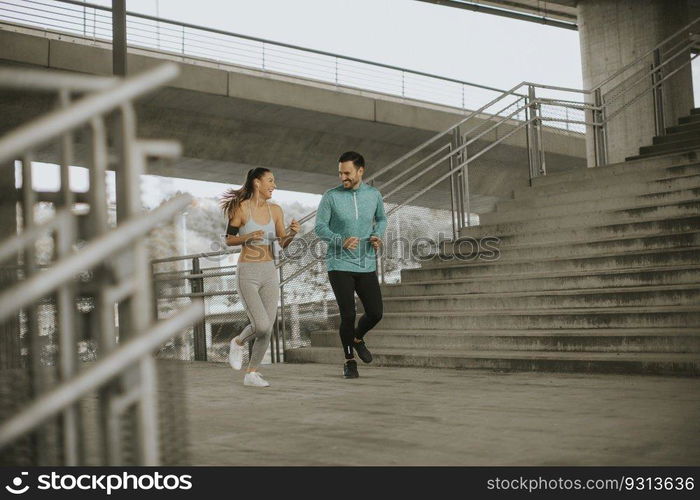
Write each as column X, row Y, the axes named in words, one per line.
column 343, row 213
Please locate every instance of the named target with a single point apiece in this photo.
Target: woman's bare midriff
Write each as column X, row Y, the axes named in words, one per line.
column 256, row 253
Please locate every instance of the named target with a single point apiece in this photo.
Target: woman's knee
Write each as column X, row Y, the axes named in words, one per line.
column 263, row 327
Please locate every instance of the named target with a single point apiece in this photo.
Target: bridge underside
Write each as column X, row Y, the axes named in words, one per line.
column 230, row 120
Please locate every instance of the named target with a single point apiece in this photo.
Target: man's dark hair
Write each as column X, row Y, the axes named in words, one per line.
column 356, row 158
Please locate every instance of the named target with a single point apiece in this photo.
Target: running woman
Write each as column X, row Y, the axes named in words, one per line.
column 350, row 218
column 255, row 224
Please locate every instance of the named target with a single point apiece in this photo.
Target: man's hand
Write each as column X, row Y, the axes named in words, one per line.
column 294, row 227
column 351, row 242
column 376, row 242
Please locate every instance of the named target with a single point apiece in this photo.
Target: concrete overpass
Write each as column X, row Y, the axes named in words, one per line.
column 230, row 118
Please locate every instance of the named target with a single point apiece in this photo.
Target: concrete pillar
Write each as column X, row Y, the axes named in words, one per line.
column 614, row 33
column 9, row 330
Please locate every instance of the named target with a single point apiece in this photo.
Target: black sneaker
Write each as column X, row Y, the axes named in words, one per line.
column 362, row 351
column 350, row 369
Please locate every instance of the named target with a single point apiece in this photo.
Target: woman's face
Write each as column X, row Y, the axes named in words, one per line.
column 266, row 185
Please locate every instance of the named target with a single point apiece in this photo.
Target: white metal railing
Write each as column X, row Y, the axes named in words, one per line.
column 94, row 22
column 124, row 373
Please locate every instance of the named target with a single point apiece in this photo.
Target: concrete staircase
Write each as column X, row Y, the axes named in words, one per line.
column 683, row 137
column 599, row 271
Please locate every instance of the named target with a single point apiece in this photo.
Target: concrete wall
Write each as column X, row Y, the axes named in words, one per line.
column 613, row 33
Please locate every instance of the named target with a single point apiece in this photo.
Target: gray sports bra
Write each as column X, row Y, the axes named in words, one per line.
column 252, row 226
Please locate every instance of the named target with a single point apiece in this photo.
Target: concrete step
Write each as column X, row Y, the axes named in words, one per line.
column 676, row 225
column 627, row 363
column 685, row 127
column 685, row 340
column 639, row 261
column 689, row 119
column 548, row 282
column 693, row 142
column 618, row 317
column 555, row 222
column 668, row 295
column 654, row 168
column 601, row 193
column 456, row 253
column 689, row 150
column 617, row 203
column 589, row 179
column 677, row 136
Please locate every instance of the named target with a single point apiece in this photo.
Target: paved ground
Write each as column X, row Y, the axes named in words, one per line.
column 410, row 416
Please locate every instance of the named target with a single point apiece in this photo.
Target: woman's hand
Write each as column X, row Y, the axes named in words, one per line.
column 255, row 236
column 294, row 227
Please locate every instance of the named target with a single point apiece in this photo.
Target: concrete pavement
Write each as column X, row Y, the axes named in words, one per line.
column 411, row 416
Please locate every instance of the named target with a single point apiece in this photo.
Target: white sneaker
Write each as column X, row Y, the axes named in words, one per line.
column 235, row 355
column 254, row 379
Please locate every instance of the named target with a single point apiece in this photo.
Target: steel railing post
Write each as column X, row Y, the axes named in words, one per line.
column 599, row 129
column 453, row 201
column 283, row 315
column 199, row 329
column 657, row 92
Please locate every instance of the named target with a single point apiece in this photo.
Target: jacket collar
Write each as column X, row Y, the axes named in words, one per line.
column 361, row 187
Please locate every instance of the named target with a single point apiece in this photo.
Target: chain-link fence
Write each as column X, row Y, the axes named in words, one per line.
column 212, row 277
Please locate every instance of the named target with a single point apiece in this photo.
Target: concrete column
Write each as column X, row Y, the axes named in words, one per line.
column 119, row 37
column 614, row 33
column 9, row 330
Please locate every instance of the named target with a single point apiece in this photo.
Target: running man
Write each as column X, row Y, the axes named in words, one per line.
column 350, row 218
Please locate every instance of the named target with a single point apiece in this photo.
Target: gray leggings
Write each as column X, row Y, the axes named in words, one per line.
column 259, row 288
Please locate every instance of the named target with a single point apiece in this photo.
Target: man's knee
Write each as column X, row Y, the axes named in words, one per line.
column 374, row 315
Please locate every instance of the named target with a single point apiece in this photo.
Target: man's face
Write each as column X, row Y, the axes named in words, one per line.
column 350, row 175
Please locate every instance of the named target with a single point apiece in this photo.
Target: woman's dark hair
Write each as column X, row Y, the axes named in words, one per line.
column 232, row 198
column 356, row 158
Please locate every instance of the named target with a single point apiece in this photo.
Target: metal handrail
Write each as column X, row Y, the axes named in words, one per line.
column 90, row 255
column 107, row 95
column 29, row 79
column 457, row 169
column 645, row 54
column 648, row 72
column 64, row 120
column 462, row 147
column 16, row 243
column 94, row 377
column 481, row 111
column 653, row 86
